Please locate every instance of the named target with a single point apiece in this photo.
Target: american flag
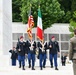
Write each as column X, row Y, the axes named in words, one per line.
column 30, row 24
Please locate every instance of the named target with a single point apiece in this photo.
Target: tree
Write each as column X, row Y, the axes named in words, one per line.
column 50, row 9
column 73, row 24
column 66, row 6
column 16, row 4
column 73, row 6
column 66, row 18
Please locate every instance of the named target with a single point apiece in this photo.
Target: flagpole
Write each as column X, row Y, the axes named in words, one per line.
column 39, row 2
column 29, row 14
column 42, row 35
column 42, row 32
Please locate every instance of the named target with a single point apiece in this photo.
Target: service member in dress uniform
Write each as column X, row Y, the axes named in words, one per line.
column 42, row 54
column 28, row 45
column 13, row 56
column 72, row 51
column 31, row 54
column 63, row 59
column 21, row 49
column 53, row 51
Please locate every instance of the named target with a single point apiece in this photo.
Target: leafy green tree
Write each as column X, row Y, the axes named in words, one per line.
column 66, row 6
column 16, row 4
column 66, row 18
column 73, row 24
column 50, row 9
column 73, row 6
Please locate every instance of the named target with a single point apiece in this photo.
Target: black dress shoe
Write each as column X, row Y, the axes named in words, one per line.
column 23, row 68
column 56, row 69
column 33, row 68
column 43, row 66
column 51, row 66
column 20, row 66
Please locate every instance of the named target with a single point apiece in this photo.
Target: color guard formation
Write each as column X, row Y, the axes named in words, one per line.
column 30, row 48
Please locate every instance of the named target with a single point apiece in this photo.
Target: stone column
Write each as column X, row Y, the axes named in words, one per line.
column 5, row 26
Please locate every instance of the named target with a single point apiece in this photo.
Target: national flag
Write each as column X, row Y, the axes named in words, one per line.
column 30, row 24
column 39, row 26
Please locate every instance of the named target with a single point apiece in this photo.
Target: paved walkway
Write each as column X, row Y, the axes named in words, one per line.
column 9, row 70
column 6, row 69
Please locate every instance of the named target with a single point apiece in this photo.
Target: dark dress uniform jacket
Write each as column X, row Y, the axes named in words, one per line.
column 45, row 48
column 22, row 47
column 28, row 45
column 13, row 54
column 55, row 47
column 34, row 49
column 39, row 45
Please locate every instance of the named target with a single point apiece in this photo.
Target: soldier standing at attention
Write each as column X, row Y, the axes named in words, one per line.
column 21, row 49
column 53, row 51
column 13, row 56
column 72, row 52
column 63, row 59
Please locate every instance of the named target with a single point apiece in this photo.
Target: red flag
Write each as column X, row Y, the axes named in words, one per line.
column 30, row 25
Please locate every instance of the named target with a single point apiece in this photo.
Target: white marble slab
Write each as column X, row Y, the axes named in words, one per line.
column 5, row 26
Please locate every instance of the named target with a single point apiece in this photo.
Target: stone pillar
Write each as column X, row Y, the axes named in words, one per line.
column 5, row 26
column 1, row 17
